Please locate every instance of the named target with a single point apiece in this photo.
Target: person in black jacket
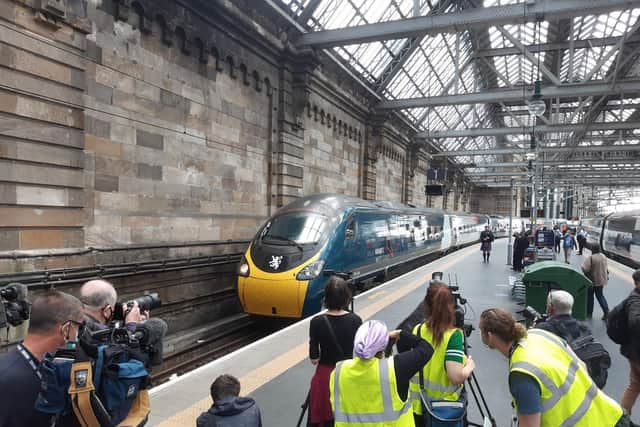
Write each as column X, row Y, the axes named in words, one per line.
column 56, row 318
column 330, row 340
column 560, row 321
column 631, row 350
column 228, row 409
column 520, row 244
column 486, row 237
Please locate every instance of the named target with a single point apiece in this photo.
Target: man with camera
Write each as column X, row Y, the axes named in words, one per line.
column 100, row 300
column 577, row 334
column 560, row 321
column 56, row 318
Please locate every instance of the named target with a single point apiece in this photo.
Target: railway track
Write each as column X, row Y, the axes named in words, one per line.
column 229, row 335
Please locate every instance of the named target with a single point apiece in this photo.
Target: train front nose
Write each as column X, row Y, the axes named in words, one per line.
column 281, row 296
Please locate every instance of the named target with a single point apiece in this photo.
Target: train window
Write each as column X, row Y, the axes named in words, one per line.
column 298, row 227
column 350, row 230
column 622, row 224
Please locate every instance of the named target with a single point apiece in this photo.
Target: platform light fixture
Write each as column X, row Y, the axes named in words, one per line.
column 536, row 105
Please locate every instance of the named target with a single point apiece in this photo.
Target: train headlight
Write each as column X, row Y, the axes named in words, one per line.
column 311, row 271
column 243, row 269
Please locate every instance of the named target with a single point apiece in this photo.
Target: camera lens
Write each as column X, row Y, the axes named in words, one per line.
column 149, row 302
column 9, row 293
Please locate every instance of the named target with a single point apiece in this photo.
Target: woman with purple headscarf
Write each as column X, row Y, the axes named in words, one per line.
column 370, row 389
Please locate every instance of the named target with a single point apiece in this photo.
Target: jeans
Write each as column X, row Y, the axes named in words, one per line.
column 599, row 292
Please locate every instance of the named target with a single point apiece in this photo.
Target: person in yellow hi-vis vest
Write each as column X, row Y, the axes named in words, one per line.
column 371, row 391
column 549, row 384
column 446, row 371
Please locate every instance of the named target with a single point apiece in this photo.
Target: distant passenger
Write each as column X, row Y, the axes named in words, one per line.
column 557, row 235
column 228, row 409
column 549, row 385
column 486, row 237
column 374, row 389
column 581, row 237
column 568, row 244
column 595, row 267
column 520, row 244
column 445, row 373
column 631, row 350
column 330, row 341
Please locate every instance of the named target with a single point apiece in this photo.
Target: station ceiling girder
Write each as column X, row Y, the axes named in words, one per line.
column 611, row 161
column 559, row 173
column 460, row 21
column 627, row 149
column 598, row 88
column 549, row 47
column 562, row 128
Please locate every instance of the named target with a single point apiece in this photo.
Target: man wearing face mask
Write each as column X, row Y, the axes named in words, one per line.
column 99, row 298
column 55, row 320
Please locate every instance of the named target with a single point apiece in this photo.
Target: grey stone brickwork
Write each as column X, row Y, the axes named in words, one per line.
column 140, row 123
column 494, row 201
column 41, row 130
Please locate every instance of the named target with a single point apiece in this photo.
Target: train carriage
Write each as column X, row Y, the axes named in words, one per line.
column 621, row 235
column 281, row 273
column 618, row 235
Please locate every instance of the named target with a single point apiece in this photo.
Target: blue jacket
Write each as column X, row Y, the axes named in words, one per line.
column 231, row 412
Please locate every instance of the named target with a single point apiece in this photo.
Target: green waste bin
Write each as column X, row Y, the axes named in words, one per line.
column 543, row 276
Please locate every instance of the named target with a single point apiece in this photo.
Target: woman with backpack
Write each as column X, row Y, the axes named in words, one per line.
column 330, row 340
column 595, row 268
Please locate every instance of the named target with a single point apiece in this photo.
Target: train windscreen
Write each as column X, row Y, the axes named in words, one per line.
column 299, row 227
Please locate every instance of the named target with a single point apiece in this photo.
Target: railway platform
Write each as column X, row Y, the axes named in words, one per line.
column 276, row 371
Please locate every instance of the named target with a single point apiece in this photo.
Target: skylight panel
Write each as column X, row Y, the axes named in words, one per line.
column 585, row 62
column 489, row 3
column 296, row 6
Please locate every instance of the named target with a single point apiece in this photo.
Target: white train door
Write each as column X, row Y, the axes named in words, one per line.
column 447, row 233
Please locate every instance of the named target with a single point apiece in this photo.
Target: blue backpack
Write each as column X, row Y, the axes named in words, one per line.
column 567, row 241
column 109, row 390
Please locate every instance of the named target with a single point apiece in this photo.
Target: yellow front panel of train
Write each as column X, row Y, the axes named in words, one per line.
column 272, row 294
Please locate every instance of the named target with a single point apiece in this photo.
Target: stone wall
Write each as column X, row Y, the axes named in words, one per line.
column 42, row 83
column 333, row 147
column 126, row 123
column 175, row 146
column 495, row 201
column 390, row 175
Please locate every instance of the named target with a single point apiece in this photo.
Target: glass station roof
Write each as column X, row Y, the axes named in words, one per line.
column 567, row 54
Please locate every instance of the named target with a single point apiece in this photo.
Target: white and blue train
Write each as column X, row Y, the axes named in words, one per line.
column 618, row 235
column 281, row 273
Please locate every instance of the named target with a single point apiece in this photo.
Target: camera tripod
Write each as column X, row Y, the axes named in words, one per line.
column 474, row 387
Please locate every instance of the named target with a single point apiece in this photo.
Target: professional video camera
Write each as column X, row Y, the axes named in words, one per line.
column 146, row 303
column 144, row 342
column 459, row 301
column 533, row 315
column 14, row 308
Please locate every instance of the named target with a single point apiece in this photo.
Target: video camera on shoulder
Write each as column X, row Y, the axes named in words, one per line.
column 14, row 308
column 533, row 315
column 145, row 303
